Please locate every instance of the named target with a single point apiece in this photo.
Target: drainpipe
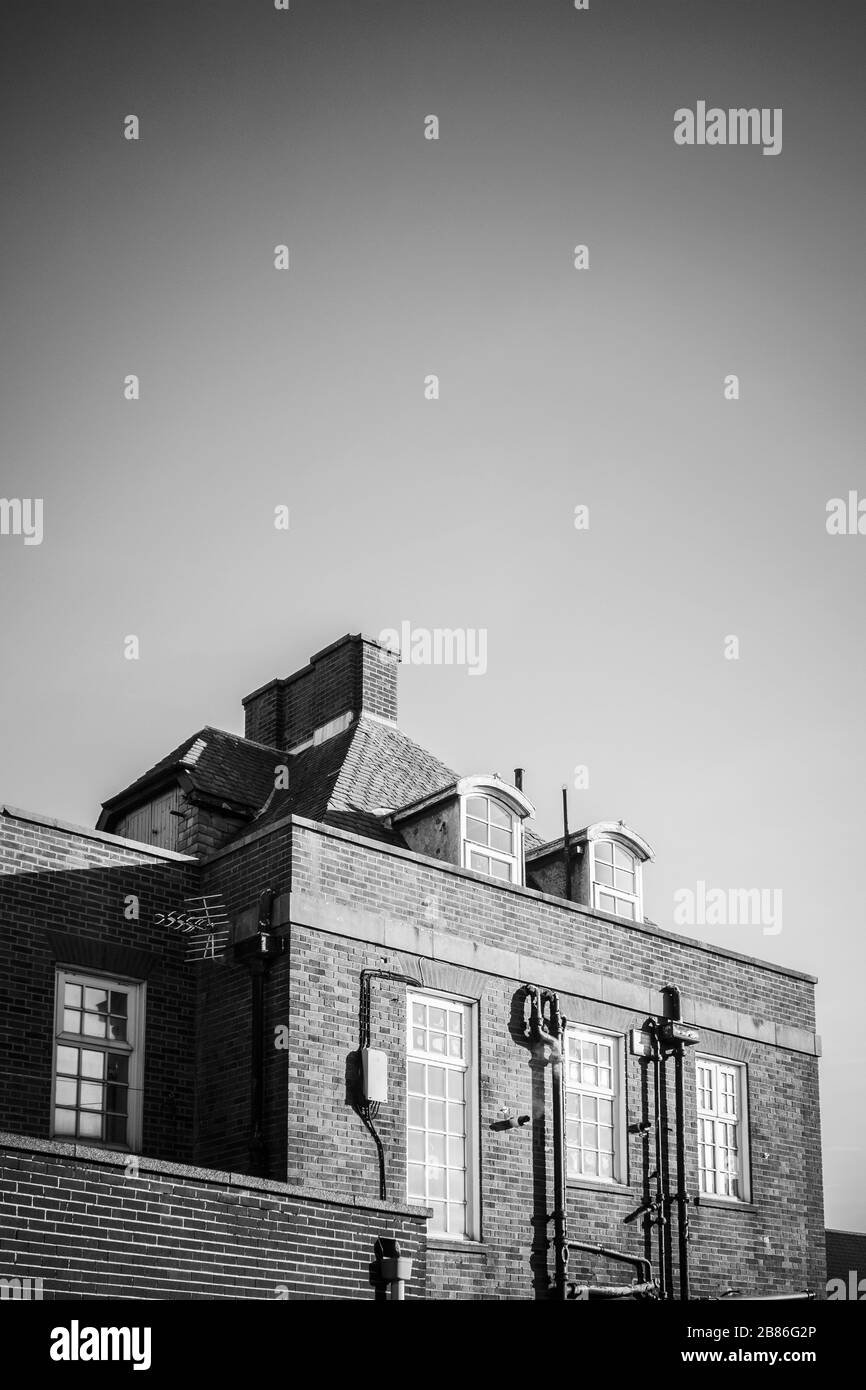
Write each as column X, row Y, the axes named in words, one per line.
column 553, row 1037
column 674, row 1011
column 566, row 851
column 661, row 1202
column 258, row 952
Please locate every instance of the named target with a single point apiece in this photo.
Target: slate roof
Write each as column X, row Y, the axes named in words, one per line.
column 226, row 766
column 348, row 781
column 370, row 767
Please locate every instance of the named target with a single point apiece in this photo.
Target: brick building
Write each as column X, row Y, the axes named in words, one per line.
column 304, row 990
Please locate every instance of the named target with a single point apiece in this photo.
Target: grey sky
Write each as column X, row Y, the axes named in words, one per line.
column 558, row 387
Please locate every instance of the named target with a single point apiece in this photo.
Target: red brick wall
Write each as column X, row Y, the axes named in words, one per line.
column 52, row 880
column 75, row 1220
column 773, row 1244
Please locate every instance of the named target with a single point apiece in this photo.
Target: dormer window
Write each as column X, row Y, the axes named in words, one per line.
column 476, row 823
column 616, row 879
column 491, row 835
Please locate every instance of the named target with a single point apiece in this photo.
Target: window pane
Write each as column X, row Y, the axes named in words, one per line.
column 500, row 839
column 437, row 1018
column 419, row 1014
column 603, row 852
column 118, row 1001
column 436, row 1182
column 455, row 1046
column 456, row 1152
column 416, row 1180
column 117, row 1068
column 67, row 1060
column 89, row 1125
column 456, row 1220
column 416, row 1112
column 624, row 908
column 499, row 815
column 92, row 1064
column 479, row 862
column 499, row 869
column 606, row 902
column 91, row 1096
column 436, row 1081
column 416, row 1146
column 476, row 830
column 67, row 1093
column 624, row 880
column 436, row 1114
column 94, row 1026
column 437, row 1220
column 416, row 1078
column 622, row 858
column 455, row 1084
column 455, row 1119
column 71, row 1021
column 436, row 1149
column 96, row 999
column 117, row 1028
column 64, row 1122
column 604, row 874
column 477, row 806
column 115, row 1129
column 437, row 1043
column 72, row 996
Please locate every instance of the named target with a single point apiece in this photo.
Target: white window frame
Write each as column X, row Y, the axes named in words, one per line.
column 515, row 860
column 725, row 1066
column 575, row 1034
column 133, row 1048
column 635, row 898
column 471, row 1099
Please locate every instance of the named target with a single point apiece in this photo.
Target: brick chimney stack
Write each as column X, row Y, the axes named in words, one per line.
column 354, row 675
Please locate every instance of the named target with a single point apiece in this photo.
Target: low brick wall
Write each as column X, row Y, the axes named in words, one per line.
column 75, row 1219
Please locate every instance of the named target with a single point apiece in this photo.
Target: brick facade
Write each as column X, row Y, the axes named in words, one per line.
column 339, row 904
column 75, row 1219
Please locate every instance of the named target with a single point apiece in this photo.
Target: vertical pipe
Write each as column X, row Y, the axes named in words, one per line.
column 660, row 1201
column 559, row 1214
column 566, row 856
column 682, row 1194
column 257, row 1095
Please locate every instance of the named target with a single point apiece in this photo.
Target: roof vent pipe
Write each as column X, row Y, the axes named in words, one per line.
column 518, row 778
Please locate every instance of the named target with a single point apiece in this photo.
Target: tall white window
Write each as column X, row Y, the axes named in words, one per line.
column 441, row 1113
column 491, row 837
column 722, row 1129
column 594, row 1106
column 98, row 1060
column 616, row 879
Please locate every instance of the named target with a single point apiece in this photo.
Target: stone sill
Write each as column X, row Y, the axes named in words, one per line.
column 455, row 1247
column 614, row 1189
column 723, row 1204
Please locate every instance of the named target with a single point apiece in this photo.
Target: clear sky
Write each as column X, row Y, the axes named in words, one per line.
column 558, row 387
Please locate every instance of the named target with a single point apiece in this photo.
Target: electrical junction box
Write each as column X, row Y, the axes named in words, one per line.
column 374, row 1075
column 674, row 1031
